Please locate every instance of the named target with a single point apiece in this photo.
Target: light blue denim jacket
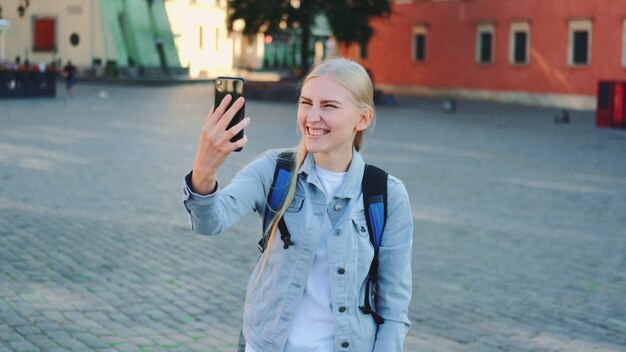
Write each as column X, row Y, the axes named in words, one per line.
column 270, row 304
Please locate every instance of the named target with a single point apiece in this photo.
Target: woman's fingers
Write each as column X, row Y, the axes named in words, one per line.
column 225, row 119
column 232, row 132
column 239, row 143
column 213, row 138
column 218, row 120
column 217, row 111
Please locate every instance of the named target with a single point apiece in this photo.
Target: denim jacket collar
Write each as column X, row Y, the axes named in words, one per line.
column 351, row 185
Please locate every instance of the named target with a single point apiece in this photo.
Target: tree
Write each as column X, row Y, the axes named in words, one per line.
column 348, row 19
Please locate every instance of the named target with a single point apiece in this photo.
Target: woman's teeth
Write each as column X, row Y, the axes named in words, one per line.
column 316, row 133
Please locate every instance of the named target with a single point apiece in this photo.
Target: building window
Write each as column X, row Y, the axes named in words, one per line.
column 484, row 43
column 44, row 34
column 217, row 39
column 519, row 43
column 579, row 48
column 200, row 37
column 419, row 43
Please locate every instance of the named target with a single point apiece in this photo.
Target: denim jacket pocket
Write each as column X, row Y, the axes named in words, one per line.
column 364, row 249
column 360, row 225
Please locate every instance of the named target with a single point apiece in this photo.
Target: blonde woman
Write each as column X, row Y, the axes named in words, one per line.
column 307, row 294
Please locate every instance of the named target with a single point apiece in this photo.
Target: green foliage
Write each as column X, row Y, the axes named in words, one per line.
column 348, row 19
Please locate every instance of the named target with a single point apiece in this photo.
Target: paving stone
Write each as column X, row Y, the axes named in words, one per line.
column 28, row 330
column 10, row 335
column 127, row 348
column 91, row 341
column 43, row 342
column 23, row 346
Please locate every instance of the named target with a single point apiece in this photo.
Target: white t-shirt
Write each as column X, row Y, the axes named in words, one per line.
column 313, row 328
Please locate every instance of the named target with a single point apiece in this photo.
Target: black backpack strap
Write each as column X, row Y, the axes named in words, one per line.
column 276, row 197
column 375, row 206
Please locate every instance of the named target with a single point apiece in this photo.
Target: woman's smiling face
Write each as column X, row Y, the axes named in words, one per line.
column 329, row 118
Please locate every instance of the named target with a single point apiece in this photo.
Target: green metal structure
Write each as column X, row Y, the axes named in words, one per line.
column 137, row 33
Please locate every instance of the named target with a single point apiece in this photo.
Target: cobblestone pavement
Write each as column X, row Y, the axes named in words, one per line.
column 520, row 224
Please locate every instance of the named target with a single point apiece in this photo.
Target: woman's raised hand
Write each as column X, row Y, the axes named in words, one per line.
column 214, row 144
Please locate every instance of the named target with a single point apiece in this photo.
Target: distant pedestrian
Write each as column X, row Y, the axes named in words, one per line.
column 69, row 72
column 312, row 288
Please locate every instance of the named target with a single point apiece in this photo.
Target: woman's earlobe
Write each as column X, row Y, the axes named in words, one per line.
column 365, row 119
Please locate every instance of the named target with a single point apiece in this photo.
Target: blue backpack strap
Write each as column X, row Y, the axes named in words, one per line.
column 276, row 197
column 375, row 206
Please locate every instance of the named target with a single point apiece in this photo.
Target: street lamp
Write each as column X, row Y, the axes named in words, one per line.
column 22, row 8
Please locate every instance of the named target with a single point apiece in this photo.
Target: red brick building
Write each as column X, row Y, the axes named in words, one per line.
column 547, row 52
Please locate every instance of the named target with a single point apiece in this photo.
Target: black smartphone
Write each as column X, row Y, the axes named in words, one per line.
column 235, row 86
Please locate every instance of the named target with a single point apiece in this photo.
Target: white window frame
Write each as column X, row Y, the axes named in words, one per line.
column 419, row 30
column 517, row 27
column 577, row 25
column 485, row 28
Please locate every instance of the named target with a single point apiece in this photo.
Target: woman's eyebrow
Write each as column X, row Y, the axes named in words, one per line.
column 326, row 101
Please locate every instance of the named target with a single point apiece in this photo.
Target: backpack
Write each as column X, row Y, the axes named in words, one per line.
column 374, row 187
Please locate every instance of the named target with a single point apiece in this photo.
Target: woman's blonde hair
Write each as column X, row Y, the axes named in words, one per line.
column 353, row 78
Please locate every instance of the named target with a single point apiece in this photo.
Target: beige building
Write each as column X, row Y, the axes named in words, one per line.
column 203, row 42
column 129, row 36
column 43, row 31
column 5, row 27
